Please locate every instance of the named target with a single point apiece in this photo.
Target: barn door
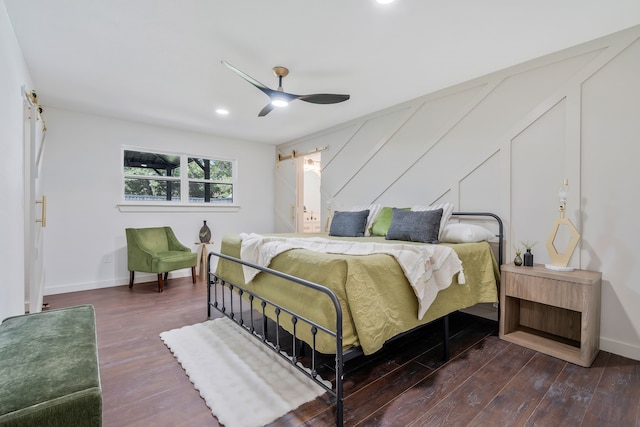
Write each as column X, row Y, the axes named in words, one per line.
column 286, row 188
column 36, row 203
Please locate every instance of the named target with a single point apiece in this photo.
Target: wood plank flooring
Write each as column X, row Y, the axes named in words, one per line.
column 487, row 382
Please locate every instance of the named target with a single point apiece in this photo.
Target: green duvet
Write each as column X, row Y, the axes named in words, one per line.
column 377, row 301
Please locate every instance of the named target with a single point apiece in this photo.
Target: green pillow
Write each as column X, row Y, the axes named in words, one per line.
column 381, row 225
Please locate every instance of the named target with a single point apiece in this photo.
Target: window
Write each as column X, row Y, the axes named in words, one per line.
column 151, row 177
column 210, row 180
column 159, row 177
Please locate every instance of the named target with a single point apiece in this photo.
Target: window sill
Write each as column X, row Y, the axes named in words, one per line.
column 158, row 207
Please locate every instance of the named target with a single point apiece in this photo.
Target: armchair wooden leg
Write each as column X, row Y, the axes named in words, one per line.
column 193, row 274
column 130, row 279
column 160, row 283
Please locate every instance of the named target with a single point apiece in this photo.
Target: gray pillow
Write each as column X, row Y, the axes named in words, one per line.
column 349, row 224
column 415, row 226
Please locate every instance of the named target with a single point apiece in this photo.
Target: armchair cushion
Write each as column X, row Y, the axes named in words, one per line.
column 172, row 260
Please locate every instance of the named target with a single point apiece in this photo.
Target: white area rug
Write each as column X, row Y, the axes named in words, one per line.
column 242, row 382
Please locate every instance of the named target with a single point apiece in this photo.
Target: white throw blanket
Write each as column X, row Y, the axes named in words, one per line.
column 428, row 268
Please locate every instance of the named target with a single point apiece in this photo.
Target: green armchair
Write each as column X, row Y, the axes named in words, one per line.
column 157, row 250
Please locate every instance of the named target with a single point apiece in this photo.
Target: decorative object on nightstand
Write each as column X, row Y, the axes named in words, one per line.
column 560, row 260
column 518, row 259
column 205, row 233
column 528, row 256
column 205, row 239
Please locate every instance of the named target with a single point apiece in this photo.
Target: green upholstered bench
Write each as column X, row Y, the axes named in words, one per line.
column 49, row 373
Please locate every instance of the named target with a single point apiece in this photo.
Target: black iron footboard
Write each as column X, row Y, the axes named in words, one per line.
column 232, row 304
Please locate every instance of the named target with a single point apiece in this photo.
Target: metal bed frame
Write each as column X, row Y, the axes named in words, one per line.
column 244, row 300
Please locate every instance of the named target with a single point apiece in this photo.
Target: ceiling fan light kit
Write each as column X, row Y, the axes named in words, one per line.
column 280, row 98
column 279, row 102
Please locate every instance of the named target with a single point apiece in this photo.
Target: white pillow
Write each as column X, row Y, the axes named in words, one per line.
column 447, row 210
column 374, row 211
column 465, row 233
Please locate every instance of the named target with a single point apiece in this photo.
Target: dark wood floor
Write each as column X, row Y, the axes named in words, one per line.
column 487, row 382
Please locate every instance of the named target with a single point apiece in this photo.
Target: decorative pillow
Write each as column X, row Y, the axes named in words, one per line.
column 465, row 233
column 447, row 210
column 382, row 222
column 414, row 226
column 348, row 224
column 374, row 211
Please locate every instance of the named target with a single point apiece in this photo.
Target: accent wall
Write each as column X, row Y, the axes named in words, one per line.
column 504, row 143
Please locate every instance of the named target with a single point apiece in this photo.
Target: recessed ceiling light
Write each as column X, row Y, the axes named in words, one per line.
column 385, row 1
column 222, row 111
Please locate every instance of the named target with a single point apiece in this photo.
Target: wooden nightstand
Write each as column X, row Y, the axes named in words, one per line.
column 553, row 312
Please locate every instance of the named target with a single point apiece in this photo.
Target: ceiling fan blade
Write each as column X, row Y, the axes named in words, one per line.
column 324, row 98
column 248, row 78
column 266, row 110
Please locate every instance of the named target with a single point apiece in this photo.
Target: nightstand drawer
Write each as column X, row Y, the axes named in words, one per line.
column 545, row 291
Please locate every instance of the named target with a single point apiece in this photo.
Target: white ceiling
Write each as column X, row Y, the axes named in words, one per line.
column 158, row 61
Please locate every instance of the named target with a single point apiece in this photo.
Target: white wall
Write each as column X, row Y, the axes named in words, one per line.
column 504, row 143
column 85, row 245
column 13, row 75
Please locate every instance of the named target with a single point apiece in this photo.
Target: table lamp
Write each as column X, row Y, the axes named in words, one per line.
column 560, row 260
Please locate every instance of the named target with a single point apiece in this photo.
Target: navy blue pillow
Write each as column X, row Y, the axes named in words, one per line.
column 415, row 226
column 349, row 224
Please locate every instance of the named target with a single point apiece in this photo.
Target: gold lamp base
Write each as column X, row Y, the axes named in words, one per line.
column 559, row 261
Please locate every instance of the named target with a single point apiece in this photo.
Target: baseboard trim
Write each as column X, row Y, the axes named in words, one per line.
column 620, row 348
column 139, row 278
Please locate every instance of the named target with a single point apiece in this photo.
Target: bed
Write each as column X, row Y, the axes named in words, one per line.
column 344, row 304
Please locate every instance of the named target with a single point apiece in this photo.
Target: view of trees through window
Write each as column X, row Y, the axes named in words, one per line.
column 210, row 180
column 158, row 177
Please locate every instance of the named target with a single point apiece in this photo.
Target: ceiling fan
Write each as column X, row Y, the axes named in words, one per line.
column 280, row 98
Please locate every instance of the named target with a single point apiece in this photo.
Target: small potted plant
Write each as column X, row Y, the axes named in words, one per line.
column 518, row 259
column 528, row 256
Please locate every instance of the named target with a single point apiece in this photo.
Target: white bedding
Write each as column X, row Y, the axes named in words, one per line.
column 428, row 268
